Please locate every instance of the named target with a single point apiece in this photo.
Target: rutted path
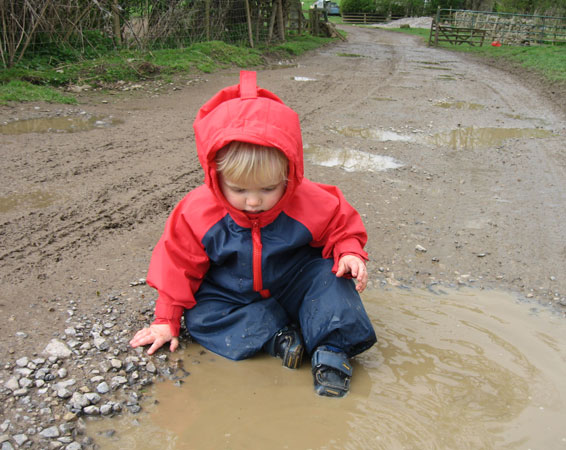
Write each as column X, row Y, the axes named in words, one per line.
column 81, row 211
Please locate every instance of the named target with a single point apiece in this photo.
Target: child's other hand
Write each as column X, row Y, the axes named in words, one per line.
column 157, row 335
column 356, row 267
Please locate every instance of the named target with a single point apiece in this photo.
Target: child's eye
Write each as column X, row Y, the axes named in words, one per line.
column 238, row 190
column 269, row 189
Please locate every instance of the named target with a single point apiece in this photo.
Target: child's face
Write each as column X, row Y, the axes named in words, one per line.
column 252, row 197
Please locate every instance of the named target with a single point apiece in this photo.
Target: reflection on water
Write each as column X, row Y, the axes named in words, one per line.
column 58, row 124
column 459, row 105
column 371, row 133
column 457, row 370
column 348, row 159
column 471, row 137
column 35, row 199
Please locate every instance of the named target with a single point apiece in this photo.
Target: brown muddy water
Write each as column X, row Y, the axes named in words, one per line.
column 463, row 369
column 58, row 124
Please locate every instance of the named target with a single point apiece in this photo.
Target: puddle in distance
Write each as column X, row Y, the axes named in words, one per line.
column 58, row 124
column 471, row 137
column 459, row 105
column 455, row 370
column 348, row 159
column 36, row 200
column 303, row 79
column 459, row 139
column 371, row 133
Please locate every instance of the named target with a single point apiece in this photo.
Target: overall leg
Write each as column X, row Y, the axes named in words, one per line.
column 234, row 326
column 328, row 309
column 334, row 323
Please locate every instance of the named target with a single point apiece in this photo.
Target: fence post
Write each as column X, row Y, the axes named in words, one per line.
column 116, row 23
column 207, row 18
column 249, row 20
column 280, row 20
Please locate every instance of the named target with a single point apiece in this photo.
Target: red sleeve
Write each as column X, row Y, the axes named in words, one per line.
column 178, row 265
column 335, row 225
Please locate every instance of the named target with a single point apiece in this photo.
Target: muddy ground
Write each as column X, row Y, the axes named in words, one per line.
column 482, row 206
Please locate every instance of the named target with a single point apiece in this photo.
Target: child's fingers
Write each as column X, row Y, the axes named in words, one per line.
column 157, row 343
column 174, row 344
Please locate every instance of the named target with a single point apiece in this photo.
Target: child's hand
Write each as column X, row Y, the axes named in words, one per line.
column 157, row 335
column 356, row 267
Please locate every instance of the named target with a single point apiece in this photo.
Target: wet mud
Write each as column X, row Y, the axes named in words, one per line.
column 81, row 211
column 453, row 369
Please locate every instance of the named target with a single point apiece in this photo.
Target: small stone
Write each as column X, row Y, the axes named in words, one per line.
column 58, row 349
column 106, row 409
column 7, row 446
column 117, row 381
column 92, row 397
column 420, row 248
column 20, row 392
column 78, row 401
column 116, row 363
column 101, row 344
column 51, row 432
column 103, row 388
column 22, row 362
column 150, row 368
column 73, row 446
column 62, row 373
column 91, row 410
column 25, row 382
column 69, row 416
column 64, row 393
column 12, row 384
column 20, row 439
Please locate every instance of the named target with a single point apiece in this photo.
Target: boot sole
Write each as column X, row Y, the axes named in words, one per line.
column 293, row 357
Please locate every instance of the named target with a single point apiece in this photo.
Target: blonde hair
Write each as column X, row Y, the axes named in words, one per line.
column 242, row 161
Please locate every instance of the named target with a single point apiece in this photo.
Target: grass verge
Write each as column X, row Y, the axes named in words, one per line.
column 37, row 80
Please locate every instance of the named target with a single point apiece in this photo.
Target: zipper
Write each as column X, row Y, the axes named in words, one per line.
column 257, row 247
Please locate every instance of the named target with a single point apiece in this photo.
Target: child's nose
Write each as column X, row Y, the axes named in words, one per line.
column 254, row 200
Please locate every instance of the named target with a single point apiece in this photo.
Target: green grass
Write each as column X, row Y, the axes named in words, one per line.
column 37, row 80
column 23, row 91
column 547, row 60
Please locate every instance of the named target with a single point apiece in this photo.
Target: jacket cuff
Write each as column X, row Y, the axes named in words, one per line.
column 169, row 314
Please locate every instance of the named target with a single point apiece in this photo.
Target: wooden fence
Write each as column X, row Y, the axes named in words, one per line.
column 510, row 29
column 455, row 35
column 367, row 18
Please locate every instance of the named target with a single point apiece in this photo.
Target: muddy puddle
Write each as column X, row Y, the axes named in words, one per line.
column 459, row 105
column 35, row 200
column 58, row 124
column 464, row 138
column 469, row 138
column 349, row 160
column 453, row 370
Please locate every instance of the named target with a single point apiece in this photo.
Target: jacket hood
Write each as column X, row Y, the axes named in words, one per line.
column 248, row 113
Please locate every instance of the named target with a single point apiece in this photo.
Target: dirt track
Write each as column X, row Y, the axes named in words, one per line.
column 81, row 211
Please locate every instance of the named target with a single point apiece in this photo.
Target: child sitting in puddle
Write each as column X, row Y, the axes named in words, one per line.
column 259, row 257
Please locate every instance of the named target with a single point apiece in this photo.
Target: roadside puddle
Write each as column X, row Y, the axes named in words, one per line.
column 371, row 133
column 35, row 199
column 462, row 369
column 348, row 159
column 459, row 105
column 467, row 138
column 58, row 124
column 471, row 137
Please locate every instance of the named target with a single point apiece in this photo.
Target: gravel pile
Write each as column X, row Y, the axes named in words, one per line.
column 413, row 22
column 89, row 369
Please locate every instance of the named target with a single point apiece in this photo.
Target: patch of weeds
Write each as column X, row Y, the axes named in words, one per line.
column 350, row 55
column 23, row 91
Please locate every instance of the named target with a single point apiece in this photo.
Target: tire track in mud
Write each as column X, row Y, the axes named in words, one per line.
column 92, row 205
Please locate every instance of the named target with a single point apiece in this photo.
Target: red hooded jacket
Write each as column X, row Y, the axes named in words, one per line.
column 206, row 238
